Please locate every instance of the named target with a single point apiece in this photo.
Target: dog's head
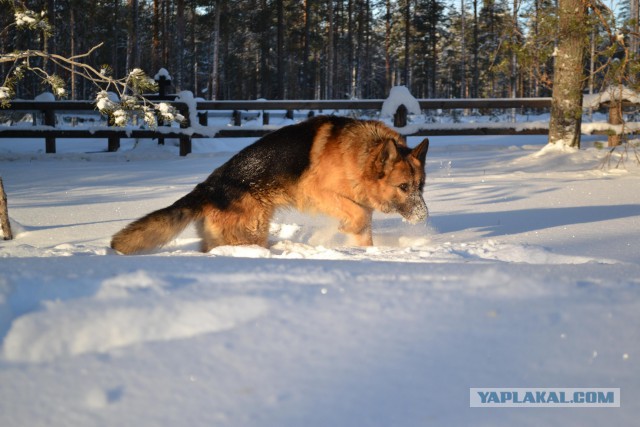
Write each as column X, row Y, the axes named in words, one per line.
column 399, row 179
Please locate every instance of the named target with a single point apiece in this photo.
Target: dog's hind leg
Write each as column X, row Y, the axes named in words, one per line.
column 245, row 222
column 209, row 233
column 209, row 228
column 248, row 228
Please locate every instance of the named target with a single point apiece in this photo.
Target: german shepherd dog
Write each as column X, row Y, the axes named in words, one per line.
column 338, row 166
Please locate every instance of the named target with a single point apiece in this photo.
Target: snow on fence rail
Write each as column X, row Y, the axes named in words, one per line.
column 200, row 111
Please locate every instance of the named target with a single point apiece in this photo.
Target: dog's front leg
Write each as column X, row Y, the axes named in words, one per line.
column 363, row 238
column 356, row 221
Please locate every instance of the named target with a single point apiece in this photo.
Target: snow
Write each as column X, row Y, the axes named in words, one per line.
column 620, row 92
column 5, row 93
column 162, row 72
column 399, row 95
column 45, row 97
column 525, row 275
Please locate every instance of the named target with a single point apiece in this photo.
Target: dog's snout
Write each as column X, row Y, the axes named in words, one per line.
column 415, row 210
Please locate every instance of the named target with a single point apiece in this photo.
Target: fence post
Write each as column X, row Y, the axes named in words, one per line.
column 50, row 141
column 160, row 138
column 237, row 118
column 185, row 140
column 265, row 117
column 163, row 84
column 400, row 117
column 113, row 143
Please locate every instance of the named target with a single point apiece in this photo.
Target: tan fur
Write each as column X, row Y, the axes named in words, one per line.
column 246, row 223
column 342, row 181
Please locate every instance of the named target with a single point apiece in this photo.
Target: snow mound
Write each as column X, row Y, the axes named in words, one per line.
column 557, row 148
column 492, row 250
column 114, row 320
column 162, row 72
column 620, row 92
column 399, row 95
column 560, row 157
column 45, row 97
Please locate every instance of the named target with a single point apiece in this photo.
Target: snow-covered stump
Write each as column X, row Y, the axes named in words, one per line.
column 237, row 118
column 400, row 117
column 4, row 214
column 163, row 80
column 399, row 104
column 614, row 98
column 615, row 118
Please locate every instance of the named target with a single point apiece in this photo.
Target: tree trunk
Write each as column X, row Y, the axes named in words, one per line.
column 133, row 53
column 568, row 74
column 330, row 52
column 514, row 59
column 362, row 48
column 4, row 214
column 49, row 41
column 387, row 49
column 166, row 25
column 476, row 47
column 115, row 63
column 265, row 47
column 407, row 44
column 351, row 66
column 180, row 38
column 280, row 60
column 634, row 40
column 155, row 38
column 463, row 49
column 216, row 51
column 193, row 48
column 72, row 41
column 307, row 81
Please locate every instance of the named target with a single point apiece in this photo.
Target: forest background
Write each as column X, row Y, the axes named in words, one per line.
column 319, row 49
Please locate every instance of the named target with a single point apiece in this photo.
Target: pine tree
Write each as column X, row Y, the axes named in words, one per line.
column 429, row 14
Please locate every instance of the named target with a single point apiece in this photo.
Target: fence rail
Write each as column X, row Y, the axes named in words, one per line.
column 49, row 130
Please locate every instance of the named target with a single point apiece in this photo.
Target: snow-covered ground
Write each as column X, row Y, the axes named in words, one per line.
column 527, row 274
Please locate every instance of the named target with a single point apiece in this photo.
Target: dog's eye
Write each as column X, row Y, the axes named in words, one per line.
column 404, row 187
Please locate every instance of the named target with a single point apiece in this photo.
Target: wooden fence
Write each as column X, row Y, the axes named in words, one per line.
column 50, row 130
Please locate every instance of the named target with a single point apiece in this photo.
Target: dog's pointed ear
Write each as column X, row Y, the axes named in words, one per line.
column 386, row 157
column 420, row 152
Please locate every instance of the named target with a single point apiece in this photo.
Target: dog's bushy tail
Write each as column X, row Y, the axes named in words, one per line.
column 157, row 228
